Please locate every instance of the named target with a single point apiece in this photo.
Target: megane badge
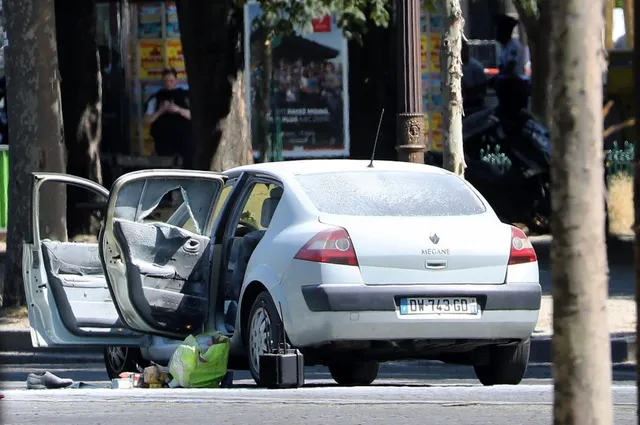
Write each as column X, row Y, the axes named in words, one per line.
column 434, row 238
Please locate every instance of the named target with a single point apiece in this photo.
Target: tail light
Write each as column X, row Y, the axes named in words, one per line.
column 329, row 246
column 521, row 249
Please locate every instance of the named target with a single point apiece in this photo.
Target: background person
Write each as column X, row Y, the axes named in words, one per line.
column 170, row 118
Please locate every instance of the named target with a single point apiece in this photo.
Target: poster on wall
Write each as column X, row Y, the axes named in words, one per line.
column 175, row 58
column 151, row 54
column 430, row 48
column 311, row 87
column 150, row 20
column 173, row 29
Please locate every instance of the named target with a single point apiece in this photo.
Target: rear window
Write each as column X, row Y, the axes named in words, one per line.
column 390, row 193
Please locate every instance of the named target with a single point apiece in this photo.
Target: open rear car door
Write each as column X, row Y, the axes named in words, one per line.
column 66, row 291
column 146, row 275
column 159, row 270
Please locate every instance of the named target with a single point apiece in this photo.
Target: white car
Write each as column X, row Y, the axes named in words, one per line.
column 359, row 265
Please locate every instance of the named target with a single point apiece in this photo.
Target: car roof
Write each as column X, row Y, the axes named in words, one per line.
column 316, row 166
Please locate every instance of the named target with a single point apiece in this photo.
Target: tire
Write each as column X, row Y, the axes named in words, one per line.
column 255, row 338
column 123, row 359
column 353, row 373
column 507, row 365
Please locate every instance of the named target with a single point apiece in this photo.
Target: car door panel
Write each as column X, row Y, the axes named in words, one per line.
column 167, row 272
column 75, row 276
column 65, row 286
column 159, row 271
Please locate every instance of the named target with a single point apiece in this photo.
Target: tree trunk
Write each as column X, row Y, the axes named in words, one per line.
column 211, row 35
column 628, row 22
column 535, row 15
column 82, row 98
column 581, row 348
column 540, row 44
column 35, row 131
column 451, row 74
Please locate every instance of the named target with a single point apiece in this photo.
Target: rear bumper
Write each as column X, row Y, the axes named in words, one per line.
column 325, row 298
column 327, row 327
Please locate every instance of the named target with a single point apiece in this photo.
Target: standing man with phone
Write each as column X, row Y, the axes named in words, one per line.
column 170, row 118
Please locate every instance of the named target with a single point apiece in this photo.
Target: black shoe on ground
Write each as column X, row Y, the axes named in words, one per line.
column 46, row 380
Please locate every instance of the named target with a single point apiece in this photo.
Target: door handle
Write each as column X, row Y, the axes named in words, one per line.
column 435, row 265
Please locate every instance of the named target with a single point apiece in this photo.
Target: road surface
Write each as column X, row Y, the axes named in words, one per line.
column 411, row 392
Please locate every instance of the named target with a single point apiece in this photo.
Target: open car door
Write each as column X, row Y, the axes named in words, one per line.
column 159, row 269
column 66, row 291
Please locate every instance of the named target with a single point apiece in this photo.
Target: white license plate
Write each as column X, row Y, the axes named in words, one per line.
column 435, row 306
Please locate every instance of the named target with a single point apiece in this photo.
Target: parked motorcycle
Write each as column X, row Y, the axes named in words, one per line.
column 521, row 192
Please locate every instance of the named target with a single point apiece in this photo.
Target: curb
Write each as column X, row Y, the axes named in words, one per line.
column 16, row 347
column 21, row 358
column 623, row 350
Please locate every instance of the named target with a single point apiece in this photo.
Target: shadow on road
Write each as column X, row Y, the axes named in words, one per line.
column 414, row 374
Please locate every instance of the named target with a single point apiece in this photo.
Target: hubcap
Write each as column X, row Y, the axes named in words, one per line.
column 260, row 332
column 117, row 356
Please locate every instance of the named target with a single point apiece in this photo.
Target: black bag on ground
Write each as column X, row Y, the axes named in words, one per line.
column 282, row 367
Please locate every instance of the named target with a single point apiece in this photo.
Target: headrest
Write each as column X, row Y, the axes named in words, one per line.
column 269, row 206
column 276, row 192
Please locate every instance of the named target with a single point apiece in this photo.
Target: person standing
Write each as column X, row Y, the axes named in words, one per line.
column 512, row 53
column 169, row 115
column 512, row 89
column 474, row 81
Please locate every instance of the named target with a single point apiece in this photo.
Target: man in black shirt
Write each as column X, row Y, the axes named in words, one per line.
column 170, row 118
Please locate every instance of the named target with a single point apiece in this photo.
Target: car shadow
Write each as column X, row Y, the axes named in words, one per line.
column 392, row 374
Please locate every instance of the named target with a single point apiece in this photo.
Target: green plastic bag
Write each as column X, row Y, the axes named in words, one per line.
column 200, row 361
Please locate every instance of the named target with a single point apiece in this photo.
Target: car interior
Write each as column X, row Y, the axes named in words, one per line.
column 246, row 238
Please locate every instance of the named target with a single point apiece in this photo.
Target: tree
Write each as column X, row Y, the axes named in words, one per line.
column 211, row 34
column 451, row 75
column 81, row 88
column 581, row 347
column 35, row 126
column 535, row 15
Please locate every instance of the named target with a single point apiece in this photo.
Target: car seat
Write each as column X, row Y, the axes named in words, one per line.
column 249, row 243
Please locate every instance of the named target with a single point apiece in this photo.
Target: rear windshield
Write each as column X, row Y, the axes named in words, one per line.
column 390, row 193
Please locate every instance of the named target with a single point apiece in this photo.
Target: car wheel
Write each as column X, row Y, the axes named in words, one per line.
column 263, row 331
column 123, row 359
column 352, row 373
column 507, row 365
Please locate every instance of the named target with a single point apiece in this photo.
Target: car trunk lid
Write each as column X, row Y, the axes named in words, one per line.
column 428, row 250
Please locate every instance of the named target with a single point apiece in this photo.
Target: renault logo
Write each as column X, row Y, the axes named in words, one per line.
column 434, row 238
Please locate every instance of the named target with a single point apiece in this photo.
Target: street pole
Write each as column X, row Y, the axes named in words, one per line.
column 410, row 119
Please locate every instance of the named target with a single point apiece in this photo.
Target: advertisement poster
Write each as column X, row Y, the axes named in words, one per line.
column 173, row 29
column 175, row 58
column 150, row 20
column 310, row 88
column 430, row 47
column 151, row 59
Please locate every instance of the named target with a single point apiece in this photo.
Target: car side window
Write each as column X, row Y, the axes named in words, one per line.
column 260, row 206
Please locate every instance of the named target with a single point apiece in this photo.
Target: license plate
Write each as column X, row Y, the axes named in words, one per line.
column 438, row 306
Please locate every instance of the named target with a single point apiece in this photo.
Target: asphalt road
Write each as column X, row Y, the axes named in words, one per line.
column 416, row 392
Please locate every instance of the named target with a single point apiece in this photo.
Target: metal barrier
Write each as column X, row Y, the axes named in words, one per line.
column 4, row 185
